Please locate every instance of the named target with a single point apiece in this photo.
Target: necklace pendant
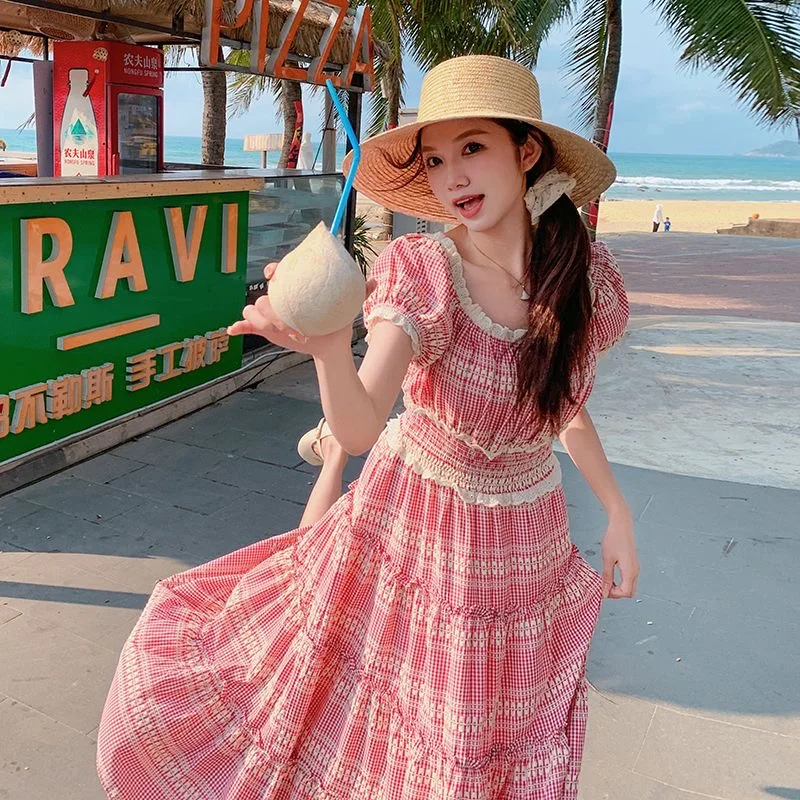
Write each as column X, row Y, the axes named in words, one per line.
column 524, row 295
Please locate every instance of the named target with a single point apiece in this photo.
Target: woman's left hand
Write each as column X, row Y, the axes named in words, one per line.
column 619, row 551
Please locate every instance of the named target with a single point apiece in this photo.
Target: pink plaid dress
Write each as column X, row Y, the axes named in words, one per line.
column 426, row 639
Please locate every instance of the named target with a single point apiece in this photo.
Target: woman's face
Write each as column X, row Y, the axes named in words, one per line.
column 476, row 170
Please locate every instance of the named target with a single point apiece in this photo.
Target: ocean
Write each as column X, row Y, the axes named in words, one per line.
column 640, row 176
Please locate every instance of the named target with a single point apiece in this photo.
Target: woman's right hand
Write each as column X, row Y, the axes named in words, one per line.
column 260, row 319
column 269, row 270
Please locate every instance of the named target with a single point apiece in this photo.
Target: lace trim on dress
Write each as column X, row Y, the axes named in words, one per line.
column 471, row 308
column 478, row 315
column 545, row 478
column 390, row 313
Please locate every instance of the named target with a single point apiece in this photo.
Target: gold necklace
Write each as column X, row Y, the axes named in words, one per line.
column 521, row 284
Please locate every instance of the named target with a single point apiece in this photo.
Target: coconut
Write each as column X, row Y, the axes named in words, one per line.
column 317, row 288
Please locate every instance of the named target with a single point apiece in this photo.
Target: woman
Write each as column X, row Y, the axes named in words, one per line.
column 423, row 636
column 658, row 217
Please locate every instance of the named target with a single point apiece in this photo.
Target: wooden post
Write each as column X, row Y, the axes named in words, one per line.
column 43, row 103
column 354, row 115
column 329, row 138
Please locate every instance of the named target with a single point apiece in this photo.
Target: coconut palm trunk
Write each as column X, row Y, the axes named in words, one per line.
column 291, row 99
column 607, row 94
column 215, row 104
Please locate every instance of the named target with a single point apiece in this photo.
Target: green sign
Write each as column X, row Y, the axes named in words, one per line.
column 107, row 307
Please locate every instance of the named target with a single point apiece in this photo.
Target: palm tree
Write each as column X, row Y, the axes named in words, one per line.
column 432, row 31
column 754, row 45
column 215, row 94
column 435, row 30
column 215, row 121
column 246, row 88
column 291, row 101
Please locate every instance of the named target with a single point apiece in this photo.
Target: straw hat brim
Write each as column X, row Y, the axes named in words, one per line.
column 395, row 188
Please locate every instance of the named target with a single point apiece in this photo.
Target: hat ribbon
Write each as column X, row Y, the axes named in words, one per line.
column 546, row 191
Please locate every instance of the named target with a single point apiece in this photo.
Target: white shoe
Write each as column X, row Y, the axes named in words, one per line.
column 305, row 447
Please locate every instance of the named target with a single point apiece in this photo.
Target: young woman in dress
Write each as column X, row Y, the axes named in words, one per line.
column 422, row 636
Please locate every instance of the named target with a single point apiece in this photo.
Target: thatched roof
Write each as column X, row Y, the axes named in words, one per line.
column 56, row 25
column 12, row 43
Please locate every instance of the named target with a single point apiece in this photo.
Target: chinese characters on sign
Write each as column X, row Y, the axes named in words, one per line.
column 116, row 306
column 137, row 60
column 69, row 394
column 201, row 351
column 35, row 405
column 140, row 65
column 70, row 152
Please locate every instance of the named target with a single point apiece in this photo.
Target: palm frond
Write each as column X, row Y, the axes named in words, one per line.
column 244, row 87
column 511, row 28
column 389, row 83
column 753, row 44
column 28, row 122
column 584, row 61
column 362, row 246
column 177, row 54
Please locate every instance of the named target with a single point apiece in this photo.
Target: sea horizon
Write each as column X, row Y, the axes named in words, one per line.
column 639, row 175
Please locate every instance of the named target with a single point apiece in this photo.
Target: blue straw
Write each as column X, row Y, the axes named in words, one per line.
column 351, row 176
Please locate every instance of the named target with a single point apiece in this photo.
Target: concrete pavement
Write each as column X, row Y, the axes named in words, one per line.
column 694, row 684
column 707, row 383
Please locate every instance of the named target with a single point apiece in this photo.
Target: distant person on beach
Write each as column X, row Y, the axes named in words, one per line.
column 658, row 217
column 423, row 635
column 667, row 225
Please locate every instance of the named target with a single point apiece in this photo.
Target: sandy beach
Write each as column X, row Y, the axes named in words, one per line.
column 687, row 216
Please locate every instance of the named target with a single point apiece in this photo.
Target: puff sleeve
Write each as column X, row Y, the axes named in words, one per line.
column 412, row 280
column 609, row 300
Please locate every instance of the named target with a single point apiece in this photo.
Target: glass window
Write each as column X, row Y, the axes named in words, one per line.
column 137, row 137
column 281, row 216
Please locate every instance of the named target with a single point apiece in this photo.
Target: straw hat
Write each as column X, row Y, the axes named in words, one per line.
column 462, row 88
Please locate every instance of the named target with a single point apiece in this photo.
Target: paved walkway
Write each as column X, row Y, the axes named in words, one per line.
column 695, row 273
column 695, row 683
column 707, row 383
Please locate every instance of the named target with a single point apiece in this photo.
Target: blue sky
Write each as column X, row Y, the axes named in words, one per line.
column 659, row 109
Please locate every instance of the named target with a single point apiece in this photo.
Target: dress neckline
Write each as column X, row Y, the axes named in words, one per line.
column 470, row 307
